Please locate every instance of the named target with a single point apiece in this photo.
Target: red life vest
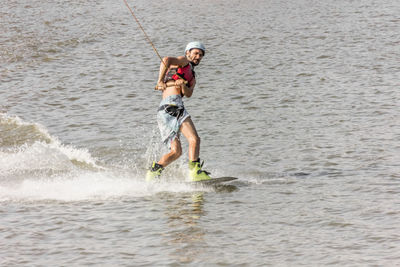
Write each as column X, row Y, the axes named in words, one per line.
column 187, row 73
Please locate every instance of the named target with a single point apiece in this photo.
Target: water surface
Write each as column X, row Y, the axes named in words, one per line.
column 299, row 99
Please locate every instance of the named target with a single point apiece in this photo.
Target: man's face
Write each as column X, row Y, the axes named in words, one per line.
column 195, row 55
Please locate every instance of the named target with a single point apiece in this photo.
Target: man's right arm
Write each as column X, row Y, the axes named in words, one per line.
column 163, row 69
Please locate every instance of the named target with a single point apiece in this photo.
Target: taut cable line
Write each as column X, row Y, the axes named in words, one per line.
column 144, row 32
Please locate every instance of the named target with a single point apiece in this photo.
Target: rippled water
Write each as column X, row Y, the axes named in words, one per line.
column 299, row 99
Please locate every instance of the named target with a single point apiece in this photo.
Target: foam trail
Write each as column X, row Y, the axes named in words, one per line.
column 86, row 186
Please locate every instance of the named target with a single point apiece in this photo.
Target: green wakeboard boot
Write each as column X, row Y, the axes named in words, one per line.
column 196, row 173
column 154, row 172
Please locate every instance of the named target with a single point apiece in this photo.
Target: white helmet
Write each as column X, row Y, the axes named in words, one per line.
column 193, row 45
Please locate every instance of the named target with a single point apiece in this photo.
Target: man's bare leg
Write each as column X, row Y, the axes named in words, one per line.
column 175, row 153
column 195, row 167
column 189, row 131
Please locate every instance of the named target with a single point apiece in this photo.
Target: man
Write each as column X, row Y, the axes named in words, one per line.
column 176, row 80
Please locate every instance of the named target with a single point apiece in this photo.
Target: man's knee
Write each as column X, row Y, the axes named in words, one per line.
column 176, row 152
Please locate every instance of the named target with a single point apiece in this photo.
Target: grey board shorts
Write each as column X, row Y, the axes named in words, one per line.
column 170, row 116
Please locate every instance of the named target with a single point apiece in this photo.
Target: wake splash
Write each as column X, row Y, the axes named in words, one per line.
column 29, row 148
column 36, row 166
column 86, row 186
